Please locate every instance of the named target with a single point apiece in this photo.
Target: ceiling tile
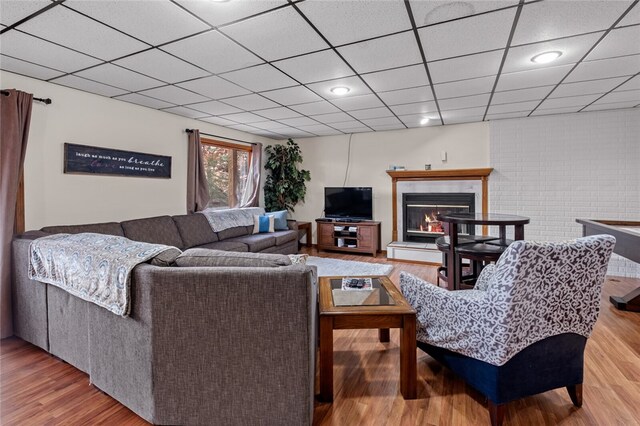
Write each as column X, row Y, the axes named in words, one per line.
column 632, row 18
column 320, row 129
column 464, row 102
column 174, row 21
column 405, row 96
column 463, row 112
column 66, row 27
column 243, row 128
column 415, row 108
column 244, row 117
column 619, row 42
column 587, row 87
column 552, row 19
column 175, row 95
column 432, row 12
column 473, row 86
column 463, row 119
column 383, row 53
column 605, row 68
column 335, row 117
column 465, row 36
column 609, row 106
column 160, row 65
column 11, row 11
column 266, row 35
column 313, row 108
column 300, row 121
column 472, row 66
column 214, row 108
column 632, row 84
column 219, row 121
column 120, row 77
column 292, row 95
column 400, row 78
column 251, row 102
column 571, row 101
column 295, row 133
column 185, row 112
column 348, row 21
column 381, row 121
column 510, row 108
column 348, row 125
column 218, row 13
column 357, row 102
column 31, row 49
column 277, row 113
column 356, row 129
column 565, row 110
column 516, row 114
column 383, row 127
column 138, row 99
column 573, row 49
column 539, row 77
column 268, row 134
column 318, row 66
column 260, row 78
column 88, row 86
column 17, row 66
column 415, row 120
column 625, row 96
column 521, row 95
column 268, row 125
column 213, row 52
column 356, row 86
column 214, row 87
column 372, row 113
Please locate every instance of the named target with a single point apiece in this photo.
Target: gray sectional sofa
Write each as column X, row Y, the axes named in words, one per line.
column 202, row 345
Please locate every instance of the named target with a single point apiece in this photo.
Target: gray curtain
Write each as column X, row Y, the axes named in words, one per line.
column 15, row 116
column 197, row 186
column 250, row 195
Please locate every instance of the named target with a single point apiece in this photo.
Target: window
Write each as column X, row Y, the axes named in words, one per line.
column 227, row 168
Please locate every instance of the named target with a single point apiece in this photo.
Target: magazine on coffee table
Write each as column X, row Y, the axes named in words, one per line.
column 357, row 284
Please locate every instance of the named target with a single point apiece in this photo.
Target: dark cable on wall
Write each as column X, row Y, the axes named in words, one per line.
column 346, row 172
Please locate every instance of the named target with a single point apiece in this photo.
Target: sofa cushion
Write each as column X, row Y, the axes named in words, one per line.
column 234, row 232
column 157, row 230
column 194, row 230
column 280, row 220
column 108, row 228
column 206, row 257
column 283, row 237
column 226, row 246
column 257, row 242
column 263, row 224
column 166, row 258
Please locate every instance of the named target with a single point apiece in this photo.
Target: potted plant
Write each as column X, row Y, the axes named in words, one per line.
column 285, row 184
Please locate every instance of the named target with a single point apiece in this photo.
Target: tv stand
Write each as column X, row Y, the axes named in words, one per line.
column 349, row 236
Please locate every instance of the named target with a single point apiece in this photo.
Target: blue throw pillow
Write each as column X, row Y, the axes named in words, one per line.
column 263, row 223
column 280, row 220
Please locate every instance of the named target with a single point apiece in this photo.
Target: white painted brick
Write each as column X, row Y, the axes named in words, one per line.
column 555, row 169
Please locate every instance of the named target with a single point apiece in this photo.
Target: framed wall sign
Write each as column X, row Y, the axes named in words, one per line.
column 85, row 159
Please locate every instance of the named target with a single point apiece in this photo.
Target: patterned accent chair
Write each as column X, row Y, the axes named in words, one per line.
column 523, row 329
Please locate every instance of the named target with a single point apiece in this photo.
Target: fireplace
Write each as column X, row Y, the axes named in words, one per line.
column 419, row 212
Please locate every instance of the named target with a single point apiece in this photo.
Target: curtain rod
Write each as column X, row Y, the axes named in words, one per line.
column 223, row 137
column 47, row 101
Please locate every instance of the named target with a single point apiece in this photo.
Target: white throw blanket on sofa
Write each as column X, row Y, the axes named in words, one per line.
column 230, row 218
column 93, row 267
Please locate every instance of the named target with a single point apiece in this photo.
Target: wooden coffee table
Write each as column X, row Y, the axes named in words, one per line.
column 383, row 308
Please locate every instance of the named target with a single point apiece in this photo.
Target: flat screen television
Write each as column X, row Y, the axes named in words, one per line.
column 349, row 203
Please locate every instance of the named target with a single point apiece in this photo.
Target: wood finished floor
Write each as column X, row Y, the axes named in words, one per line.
column 38, row 389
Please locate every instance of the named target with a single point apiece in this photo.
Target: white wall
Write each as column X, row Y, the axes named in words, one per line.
column 555, row 169
column 55, row 198
column 467, row 146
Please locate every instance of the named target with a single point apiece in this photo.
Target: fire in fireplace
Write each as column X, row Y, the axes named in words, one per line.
column 420, row 210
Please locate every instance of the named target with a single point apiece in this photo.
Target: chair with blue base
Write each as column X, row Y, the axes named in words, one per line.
column 523, row 329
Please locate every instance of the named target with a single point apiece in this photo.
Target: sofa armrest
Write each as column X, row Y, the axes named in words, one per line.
column 292, row 224
column 483, row 281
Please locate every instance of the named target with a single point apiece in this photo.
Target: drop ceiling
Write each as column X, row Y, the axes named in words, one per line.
column 267, row 66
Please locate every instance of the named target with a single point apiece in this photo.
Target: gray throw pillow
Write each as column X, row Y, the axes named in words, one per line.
column 208, row 257
column 166, row 258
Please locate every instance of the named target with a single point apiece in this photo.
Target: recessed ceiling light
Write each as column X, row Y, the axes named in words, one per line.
column 424, row 121
column 341, row 90
column 546, row 57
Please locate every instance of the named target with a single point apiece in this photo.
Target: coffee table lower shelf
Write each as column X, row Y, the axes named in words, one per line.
column 383, row 317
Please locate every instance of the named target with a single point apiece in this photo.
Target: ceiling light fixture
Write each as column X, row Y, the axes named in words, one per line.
column 340, row 90
column 424, row 121
column 546, row 57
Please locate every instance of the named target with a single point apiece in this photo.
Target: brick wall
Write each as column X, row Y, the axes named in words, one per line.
column 555, row 169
